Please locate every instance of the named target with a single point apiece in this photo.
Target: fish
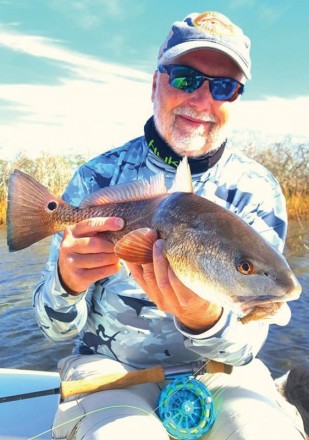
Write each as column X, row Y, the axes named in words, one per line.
column 213, row 251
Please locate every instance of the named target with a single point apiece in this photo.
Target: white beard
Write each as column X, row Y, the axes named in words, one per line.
column 194, row 144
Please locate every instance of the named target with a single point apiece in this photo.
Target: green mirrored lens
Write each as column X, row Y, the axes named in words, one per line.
column 186, row 83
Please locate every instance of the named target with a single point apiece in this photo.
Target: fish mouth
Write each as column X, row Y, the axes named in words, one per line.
column 274, row 312
column 264, row 301
column 254, row 301
column 270, row 307
column 269, row 303
column 289, row 290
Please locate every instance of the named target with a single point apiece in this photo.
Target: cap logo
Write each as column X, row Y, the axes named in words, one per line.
column 211, row 23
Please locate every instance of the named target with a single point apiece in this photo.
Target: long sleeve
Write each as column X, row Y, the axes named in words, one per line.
column 60, row 316
column 228, row 341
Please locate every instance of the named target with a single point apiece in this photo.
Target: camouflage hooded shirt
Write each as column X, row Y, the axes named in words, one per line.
column 114, row 316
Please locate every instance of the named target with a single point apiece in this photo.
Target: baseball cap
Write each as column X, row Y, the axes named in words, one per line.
column 207, row 30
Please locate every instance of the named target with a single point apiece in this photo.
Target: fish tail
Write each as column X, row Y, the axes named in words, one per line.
column 29, row 211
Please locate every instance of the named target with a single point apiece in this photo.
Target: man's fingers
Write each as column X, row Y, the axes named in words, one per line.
column 161, row 266
column 184, row 295
column 99, row 224
column 167, row 281
column 99, row 273
column 138, row 274
column 85, row 249
column 92, row 261
column 88, row 245
column 81, row 279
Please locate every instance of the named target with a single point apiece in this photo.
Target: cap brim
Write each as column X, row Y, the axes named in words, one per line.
column 183, row 48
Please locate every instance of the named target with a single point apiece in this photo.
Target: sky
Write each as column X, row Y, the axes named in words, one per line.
column 75, row 75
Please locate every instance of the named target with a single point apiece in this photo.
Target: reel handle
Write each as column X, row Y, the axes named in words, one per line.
column 112, row 381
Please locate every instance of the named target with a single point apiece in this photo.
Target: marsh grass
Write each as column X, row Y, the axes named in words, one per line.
column 298, row 205
column 290, row 165
column 288, row 162
column 54, row 172
column 2, row 211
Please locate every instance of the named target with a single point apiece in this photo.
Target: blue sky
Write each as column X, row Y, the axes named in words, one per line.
column 76, row 75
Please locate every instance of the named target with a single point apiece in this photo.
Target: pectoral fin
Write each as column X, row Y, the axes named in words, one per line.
column 136, row 246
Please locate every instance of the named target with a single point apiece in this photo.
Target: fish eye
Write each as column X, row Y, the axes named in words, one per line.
column 245, row 267
column 52, row 206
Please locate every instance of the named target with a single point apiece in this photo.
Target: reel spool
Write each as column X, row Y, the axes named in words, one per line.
column 186, row 408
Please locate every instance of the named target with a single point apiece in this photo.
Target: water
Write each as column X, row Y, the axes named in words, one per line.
column 23, row 345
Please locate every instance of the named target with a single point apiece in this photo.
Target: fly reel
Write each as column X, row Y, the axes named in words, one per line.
column 186, row 408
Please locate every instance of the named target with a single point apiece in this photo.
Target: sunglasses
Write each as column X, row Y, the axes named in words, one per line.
column 188, row 79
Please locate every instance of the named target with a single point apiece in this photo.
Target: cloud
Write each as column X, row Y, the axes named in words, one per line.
column 52, row 49
column 85, row 116
column 274, row 116
column 113, row 8
column 89, row 14
column 98, row 105
column 264, row 12
column 271, row 13
column 94, row 105
column 76, row 116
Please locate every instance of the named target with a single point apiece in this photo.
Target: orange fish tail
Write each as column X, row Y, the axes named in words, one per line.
column 29, row 212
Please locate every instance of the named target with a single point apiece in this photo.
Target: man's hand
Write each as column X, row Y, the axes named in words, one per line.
column 85, row 255
column 162, row 286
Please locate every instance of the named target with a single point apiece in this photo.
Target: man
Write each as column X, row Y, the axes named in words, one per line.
column 149, row 317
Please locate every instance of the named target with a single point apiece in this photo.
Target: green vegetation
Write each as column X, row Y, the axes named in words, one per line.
column 289, row 164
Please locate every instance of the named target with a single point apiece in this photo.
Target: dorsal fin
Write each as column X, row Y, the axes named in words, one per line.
column 183, row 178
column 126, row 192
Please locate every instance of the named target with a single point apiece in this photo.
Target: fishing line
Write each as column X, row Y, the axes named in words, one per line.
column 186, row 379
column 153, row 412
column 87, row 414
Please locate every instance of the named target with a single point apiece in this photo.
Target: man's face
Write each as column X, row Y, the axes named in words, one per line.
column 194, row 123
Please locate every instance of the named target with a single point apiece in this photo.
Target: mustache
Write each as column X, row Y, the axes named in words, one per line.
column 187, row 111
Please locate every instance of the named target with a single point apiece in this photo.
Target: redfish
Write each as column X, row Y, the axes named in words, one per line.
column 213, row 252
